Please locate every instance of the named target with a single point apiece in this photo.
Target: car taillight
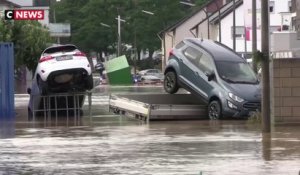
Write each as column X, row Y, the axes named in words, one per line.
column 171, row 53
column 79, row 54
column 46, row 58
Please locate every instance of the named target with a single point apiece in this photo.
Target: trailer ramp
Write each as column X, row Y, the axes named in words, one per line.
column 159, row 106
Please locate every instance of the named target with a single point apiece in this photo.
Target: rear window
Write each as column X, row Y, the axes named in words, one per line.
column 67, row 48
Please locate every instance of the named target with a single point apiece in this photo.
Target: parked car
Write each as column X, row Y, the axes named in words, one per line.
column 151, row 75
column 216, row 74
column 60, row 69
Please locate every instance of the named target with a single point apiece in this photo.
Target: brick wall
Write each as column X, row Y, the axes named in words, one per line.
column 285, row 77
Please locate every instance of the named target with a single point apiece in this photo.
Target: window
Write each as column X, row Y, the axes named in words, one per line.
column 239, row 32
column 205, row 63
column 193, row 55
column 290, row 6
column 271, row 6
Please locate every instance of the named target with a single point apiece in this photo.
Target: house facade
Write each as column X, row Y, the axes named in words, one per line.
column 218, row 25
column 6, row 5
column 177, row 32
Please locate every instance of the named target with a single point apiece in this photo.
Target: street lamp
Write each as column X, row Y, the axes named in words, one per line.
column 187, row 3
column 119, row 34
column 105, row 25
column 148, row 12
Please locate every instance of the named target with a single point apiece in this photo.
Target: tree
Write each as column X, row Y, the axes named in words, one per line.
column 30, row 38
column 140, row 29
column 5, row 28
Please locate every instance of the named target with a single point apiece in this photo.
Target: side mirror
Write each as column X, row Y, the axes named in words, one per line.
column 29, row 91
column 210, row 75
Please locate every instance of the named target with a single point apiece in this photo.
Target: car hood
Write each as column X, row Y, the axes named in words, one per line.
column 249, row 92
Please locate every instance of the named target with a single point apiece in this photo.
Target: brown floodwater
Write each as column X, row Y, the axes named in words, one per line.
column 112, row 144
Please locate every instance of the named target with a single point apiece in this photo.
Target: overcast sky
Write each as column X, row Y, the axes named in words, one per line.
column 22, row 2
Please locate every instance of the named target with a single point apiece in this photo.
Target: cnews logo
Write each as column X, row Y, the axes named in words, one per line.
column 25, row 14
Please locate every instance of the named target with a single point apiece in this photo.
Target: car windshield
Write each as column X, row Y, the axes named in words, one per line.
column 236, row 72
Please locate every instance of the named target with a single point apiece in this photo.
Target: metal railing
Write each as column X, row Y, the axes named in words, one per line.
column 54, row 104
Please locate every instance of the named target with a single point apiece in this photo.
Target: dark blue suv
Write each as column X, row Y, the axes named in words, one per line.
column 215, row 73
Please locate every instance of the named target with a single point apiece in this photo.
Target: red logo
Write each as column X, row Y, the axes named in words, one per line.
column 24, row 14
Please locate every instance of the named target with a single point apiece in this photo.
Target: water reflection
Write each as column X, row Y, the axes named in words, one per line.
column 7, row 128
column 117, row 145
column 111, row 144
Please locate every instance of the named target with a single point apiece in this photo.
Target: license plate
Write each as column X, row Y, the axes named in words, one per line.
column 62, row 58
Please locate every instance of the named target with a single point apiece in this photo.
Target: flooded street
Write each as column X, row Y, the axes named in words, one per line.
column 111, row 144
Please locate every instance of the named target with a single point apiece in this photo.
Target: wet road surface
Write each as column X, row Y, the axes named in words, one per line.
column 110, row 144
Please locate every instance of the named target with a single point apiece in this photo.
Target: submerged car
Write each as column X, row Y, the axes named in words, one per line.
column 60, row 69
column 216, row 74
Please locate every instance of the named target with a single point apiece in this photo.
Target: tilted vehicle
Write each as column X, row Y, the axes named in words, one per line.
column 216, row 74
column 60, row 69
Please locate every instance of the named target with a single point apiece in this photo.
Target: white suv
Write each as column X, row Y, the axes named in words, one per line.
column 63, row 68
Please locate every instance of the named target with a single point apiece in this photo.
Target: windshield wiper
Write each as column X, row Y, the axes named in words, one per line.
column 246, row 82
column 229, row 80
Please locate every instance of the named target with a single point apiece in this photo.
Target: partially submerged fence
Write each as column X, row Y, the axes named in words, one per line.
column 6, row 81
column 54, row 105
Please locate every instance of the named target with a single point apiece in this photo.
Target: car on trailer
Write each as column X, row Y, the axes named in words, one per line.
column 60, row 69
column 215, row 73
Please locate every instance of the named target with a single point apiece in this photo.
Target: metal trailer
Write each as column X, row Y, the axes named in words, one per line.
column 158, row 106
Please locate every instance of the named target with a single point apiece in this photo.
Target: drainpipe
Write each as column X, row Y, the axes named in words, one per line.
column 163, row 59
column 165, row 56
column 219, row 16
column 233, row 28
column 208, row 36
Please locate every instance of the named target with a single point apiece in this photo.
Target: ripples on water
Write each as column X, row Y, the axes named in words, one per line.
column 128, row 147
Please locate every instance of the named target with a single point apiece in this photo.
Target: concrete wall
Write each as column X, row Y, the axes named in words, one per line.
column 285, row 78
column 285, row 41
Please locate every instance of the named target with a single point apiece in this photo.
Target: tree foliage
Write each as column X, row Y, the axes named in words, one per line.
column 30, row 38
column 140, row 29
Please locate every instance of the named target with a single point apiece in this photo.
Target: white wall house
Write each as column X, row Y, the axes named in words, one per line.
column 280, row 18
column 6, row 5
column 280, row 15
column 177, row 32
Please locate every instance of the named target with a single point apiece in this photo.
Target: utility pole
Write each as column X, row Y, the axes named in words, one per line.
column 266, row 106
column 254, row 35
column 119, row 35
column 233, row 28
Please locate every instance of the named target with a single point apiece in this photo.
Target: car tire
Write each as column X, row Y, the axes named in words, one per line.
column 170, row 82
column 90, row 82
column 215, row 110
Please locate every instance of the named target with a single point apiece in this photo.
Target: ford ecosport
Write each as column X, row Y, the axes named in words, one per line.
column 215, row 73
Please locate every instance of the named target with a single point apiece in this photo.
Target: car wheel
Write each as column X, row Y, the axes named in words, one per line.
column 214, row 110
column 90, row 82
column 170, row 82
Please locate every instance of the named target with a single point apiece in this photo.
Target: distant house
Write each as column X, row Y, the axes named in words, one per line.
column 218, row 25
column 175, row 33
column 5, row 5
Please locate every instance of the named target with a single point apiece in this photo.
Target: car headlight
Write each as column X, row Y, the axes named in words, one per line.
column 235, row 98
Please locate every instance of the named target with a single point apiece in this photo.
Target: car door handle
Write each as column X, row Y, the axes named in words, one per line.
column 197, row 74
column 180, row 60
